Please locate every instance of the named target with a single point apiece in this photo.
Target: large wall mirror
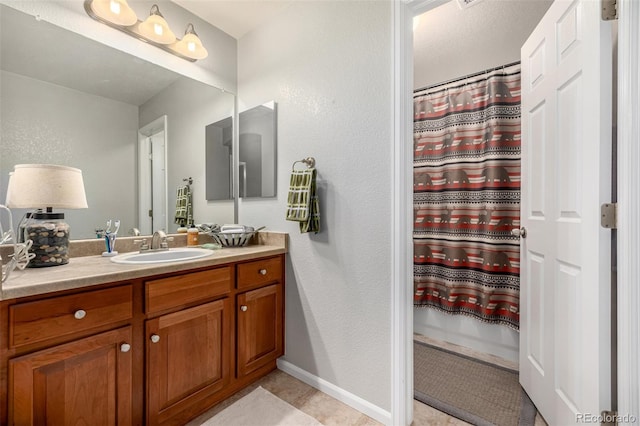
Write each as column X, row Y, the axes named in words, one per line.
column 69, row 100
column 256, row 155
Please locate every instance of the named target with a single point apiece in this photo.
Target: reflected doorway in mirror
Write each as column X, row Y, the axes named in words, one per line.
column 152, row 176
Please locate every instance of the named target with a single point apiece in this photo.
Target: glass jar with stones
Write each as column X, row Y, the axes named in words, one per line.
column 50, row 236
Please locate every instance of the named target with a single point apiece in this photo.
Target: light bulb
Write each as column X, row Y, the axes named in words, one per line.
column 156, row 29
column 114, row 6
column 115, row 11
column 190, row 46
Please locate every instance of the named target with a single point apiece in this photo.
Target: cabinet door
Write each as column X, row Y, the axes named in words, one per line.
column 83, row 382
column 188, row 354
column 260, row 337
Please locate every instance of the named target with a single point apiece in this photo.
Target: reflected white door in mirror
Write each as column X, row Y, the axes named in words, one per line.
column 152, row 176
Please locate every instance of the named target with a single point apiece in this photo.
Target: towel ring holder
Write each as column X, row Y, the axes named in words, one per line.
column 309, row 161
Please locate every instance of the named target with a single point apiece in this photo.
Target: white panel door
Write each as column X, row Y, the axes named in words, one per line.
column 159, row 181
column 565, row 351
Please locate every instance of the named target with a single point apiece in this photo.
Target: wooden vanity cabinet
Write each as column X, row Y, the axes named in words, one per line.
column 87, row 381
column 188, row 351
column 260, row 314
column 65, row 368
column 154, row 351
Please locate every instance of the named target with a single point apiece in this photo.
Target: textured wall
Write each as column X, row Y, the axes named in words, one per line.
column 450, row 42
column 46, row 123
column 328, row 66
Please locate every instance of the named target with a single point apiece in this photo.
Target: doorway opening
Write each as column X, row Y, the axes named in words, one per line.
column 567, row 99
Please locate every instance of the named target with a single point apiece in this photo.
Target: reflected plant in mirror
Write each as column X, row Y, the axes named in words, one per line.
column 69, row 100
column 256, row 155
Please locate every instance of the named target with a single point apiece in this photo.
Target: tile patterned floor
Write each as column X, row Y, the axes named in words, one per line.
column 327, row 410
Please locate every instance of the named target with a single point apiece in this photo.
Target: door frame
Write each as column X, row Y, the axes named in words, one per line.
column 402, row 212
column 628, row 176
column 628, row 234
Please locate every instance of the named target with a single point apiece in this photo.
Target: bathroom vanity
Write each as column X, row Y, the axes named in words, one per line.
column 95, row 342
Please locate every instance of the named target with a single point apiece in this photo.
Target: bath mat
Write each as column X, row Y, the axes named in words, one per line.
column 261, row 408
column 474, row 391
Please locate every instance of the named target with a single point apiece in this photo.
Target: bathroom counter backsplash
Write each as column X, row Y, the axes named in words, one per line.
column 87, row 267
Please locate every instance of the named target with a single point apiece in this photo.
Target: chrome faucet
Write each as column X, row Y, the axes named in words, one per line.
column 159, row 241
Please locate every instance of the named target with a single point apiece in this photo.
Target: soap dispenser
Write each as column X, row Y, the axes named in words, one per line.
column 192, row 236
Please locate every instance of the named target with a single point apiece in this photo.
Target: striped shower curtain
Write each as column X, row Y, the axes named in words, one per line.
column 467, row 197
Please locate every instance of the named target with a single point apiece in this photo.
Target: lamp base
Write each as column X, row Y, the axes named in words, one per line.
column 50, row 236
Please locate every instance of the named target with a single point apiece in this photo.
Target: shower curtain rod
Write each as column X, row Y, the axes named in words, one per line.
column 453, row 80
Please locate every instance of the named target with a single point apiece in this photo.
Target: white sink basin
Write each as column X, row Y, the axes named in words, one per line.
column 171, row 255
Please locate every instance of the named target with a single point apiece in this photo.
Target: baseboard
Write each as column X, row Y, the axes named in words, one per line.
column 336, row 392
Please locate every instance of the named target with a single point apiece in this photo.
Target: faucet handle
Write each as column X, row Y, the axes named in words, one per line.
column 164, row 244
column 143, row 244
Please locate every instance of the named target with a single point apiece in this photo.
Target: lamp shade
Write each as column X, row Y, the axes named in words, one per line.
column 190, row 45
column 46, row 185
column 115, row 11
column 156, row 28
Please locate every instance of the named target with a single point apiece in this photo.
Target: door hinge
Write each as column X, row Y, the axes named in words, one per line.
column 609, row 215
column 150, row 213
column 609, row 418
column 609, row 10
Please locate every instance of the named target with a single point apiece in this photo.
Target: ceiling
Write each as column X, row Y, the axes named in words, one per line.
column 234, row 17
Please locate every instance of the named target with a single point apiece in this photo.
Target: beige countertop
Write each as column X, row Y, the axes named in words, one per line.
column 93, row 270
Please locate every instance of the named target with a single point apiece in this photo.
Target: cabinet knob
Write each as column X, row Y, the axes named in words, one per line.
column 263, row 271
column 243, row 308
column 155, row 338
column 79, row 314
column 125, row 347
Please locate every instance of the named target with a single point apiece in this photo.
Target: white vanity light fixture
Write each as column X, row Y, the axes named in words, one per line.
column 117, row 12
column 154, row 30
column 190, row 45
column 45, row 187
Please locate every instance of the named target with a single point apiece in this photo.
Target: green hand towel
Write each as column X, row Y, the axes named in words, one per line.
column 302, row 203
column 184, row 206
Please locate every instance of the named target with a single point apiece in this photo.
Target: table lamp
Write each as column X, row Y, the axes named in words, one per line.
column 45, row 187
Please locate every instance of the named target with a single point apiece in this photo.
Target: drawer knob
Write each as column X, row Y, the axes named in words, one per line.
column 263, row 271
column 243, row 308
column 155, row 338
column 125, row 347
column 79, row 314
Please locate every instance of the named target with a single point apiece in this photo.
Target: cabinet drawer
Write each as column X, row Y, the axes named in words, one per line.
column 173, row 292
column 58, row 316
column 259, row 272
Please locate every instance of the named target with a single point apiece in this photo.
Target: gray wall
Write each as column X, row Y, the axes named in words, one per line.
column 327, row 64
column 190, row 106
column 450, row 42
column 46, row 123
